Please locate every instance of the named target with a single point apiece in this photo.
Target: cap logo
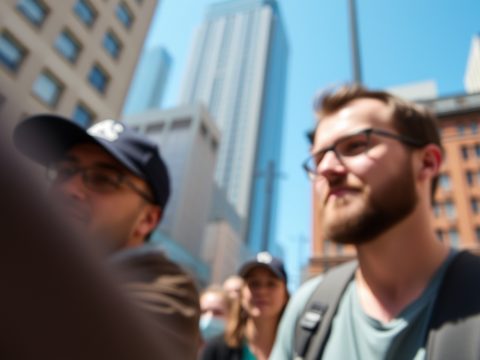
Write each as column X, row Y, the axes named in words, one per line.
column 107, row 129
column 264, row 257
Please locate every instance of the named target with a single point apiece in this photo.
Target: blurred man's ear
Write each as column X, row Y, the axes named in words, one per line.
column 431, row 161
column 149, row 220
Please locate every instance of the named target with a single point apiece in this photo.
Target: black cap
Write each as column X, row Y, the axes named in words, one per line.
column 46, row 137
column 265, row 260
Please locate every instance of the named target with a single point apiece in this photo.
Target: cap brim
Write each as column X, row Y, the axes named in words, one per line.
column 248, row 267
column 45, row 138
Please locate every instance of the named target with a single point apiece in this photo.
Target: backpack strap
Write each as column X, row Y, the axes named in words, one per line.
column 313, row 325
column 454, row 330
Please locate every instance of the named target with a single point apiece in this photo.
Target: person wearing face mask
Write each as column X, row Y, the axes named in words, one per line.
column 215, row 307
column 252, row 325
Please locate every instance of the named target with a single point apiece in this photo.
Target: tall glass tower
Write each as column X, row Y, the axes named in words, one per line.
column 238, row 68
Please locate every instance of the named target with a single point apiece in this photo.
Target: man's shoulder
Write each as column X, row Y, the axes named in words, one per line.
column 307, row 288
column 165, row 292
column 146, row 257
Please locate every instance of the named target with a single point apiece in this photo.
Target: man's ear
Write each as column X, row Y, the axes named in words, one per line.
column 149, row 220
column 431, row 161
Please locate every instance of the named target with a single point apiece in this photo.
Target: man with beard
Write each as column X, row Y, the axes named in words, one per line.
column 375, row 163
column 113, row 186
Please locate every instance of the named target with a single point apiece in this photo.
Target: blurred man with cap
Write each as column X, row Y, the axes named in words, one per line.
column 113, row 186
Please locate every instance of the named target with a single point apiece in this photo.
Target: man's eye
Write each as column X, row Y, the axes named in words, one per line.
column 64, row 173
column 99, row 178
column 352, row 147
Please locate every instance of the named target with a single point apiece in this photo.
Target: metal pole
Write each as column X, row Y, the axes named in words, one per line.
column 354, row 41
column 269, row 179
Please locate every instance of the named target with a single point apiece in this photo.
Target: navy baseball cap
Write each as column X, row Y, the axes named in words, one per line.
column 265, row 260
column 46, row 137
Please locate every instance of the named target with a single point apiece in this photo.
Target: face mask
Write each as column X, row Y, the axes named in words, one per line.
column 211, row 326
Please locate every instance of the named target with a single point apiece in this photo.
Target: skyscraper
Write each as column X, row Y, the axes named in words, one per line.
column 238, row 67
column 149, row 81
column 472, row 73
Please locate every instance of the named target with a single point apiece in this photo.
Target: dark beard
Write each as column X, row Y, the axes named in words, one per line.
column 383, row 210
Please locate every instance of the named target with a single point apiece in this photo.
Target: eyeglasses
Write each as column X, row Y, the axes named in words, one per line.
column 353, row 145
column 98, row 179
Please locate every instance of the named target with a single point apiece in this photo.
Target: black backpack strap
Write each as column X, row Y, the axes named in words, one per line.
column 454, row 331
column 313, row 325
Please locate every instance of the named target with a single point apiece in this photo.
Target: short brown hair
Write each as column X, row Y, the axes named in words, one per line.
column 409, row 119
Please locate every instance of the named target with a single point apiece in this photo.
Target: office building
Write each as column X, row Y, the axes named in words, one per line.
column 71, row 57
column 472, row 73
column 456, row 211
column 149, row 81
column 237, row 67
column 188, row 141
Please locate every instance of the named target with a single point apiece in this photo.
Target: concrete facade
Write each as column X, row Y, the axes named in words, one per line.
column 65, row 40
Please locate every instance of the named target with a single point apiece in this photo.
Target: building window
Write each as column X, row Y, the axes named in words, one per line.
column 47, row 88
column 474, row 127
column 475, row 205
column 155, row 128
column 203, row 130
column 180, row 124
column 124, row 14
column 85, row 11
column 339, row 249
column 477, row 232
column 83, row 116
column 464, row 150
column 214, row 145
column 450, row 209
column 469, row 175
column 439, row 235
column 67, row 45
column 436, row 210
column 477, row 150
column 12, row 53
column 444, row 181
column 460, row 129
column 454, row 238
column 34, row 10
column 112, row 44
column 326, row 247
column 98, row 78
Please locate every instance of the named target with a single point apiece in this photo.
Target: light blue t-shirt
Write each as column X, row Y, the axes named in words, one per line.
column 355, row 335
column 283, row 347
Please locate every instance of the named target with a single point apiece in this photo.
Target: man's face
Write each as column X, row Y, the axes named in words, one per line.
column 115, row 215
column 362, row 196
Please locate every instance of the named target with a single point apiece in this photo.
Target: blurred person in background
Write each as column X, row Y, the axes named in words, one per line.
column 215, row 307
column 233, row 285
column 112, row 186
column 254, row 319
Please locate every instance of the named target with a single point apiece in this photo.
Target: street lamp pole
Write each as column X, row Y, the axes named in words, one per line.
column 354, row 42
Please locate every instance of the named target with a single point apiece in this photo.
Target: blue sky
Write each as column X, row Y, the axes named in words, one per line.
column 401, row 41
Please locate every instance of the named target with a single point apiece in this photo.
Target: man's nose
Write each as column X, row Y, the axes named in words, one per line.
column 331, row 165
column 74, row 186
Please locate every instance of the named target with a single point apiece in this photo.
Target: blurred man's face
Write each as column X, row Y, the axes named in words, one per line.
column 100, row 204
column 361, row 196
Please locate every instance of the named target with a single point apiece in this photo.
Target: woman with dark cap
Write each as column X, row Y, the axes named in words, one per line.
column 254, row 319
